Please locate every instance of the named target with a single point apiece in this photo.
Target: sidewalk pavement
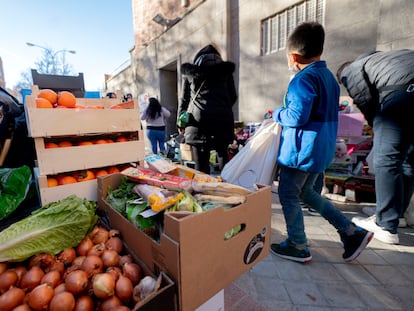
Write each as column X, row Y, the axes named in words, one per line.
column 381, row 278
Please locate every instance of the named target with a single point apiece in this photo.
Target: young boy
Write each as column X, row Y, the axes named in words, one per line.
column 310, row 120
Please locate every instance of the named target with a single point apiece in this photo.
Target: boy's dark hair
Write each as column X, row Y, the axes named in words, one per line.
column 307, row 40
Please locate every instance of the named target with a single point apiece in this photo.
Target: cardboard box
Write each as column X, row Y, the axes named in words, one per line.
column 186, row 152
column 165, row 298
column 192, row 248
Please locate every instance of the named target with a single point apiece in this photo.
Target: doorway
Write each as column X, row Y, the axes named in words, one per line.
column 169, row 95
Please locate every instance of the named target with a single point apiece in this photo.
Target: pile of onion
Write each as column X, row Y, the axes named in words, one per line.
column 94, row 275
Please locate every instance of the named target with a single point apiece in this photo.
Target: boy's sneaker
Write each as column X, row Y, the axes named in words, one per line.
column 313, row 212
column 380, row 233
column 288, row 250
column 355, row 243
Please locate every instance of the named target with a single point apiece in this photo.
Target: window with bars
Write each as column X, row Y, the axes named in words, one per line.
column 276, row 28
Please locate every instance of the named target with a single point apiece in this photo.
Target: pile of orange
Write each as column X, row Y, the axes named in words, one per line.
column 79, row 176
column 48, row 98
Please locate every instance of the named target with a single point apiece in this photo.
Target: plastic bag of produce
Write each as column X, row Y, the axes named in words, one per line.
column 14, row 185
column 255, row 163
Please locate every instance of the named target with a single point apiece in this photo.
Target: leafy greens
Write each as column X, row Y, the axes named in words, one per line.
column 50, row 229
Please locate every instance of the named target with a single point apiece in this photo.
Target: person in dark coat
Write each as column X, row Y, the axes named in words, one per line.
column 382, row 86
column 208, row 95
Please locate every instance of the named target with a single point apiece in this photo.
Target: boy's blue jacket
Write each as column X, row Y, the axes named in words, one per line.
column 309, row 119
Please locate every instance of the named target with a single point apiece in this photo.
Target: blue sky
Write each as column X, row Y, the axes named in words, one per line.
column 100, row 31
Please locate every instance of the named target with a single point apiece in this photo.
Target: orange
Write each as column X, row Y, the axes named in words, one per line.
column 100, row 141
column 67, row 180
column 65, row 143
column 101, row 172
column 52, row 182
column 109, row 141
column 66, row 99
column 60, row 106
column 121, row 139
column 48, row 94
column 113, row 169
column 85, row 143
column 51, row 145
column 43, row 103
column 85, row 175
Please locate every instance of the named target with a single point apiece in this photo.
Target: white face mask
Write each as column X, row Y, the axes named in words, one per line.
column 294, row 68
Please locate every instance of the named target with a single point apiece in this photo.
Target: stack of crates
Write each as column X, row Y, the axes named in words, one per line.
column 94, row 120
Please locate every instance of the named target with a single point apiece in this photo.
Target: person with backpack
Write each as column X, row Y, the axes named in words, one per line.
column 208, row 96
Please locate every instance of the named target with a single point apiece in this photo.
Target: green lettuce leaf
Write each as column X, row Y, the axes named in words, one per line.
column 50, row 229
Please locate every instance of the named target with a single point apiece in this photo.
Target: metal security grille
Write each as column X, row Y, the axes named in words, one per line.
column 276, row 28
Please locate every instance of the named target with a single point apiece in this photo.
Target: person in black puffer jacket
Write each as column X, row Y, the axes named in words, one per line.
column 382, row 87
column 208, row 95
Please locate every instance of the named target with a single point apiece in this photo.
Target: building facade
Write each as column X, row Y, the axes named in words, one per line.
column 252, row 34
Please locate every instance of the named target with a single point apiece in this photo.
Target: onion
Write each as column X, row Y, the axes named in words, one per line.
column 124, row 288
column 92, row 265
column 110, row 258
column 52, row 278
column 109, row 304
column 115, row 272
column 133, row 272
column 99, row 235
column 84, row 303
column 124, row 259
column 103, row 285
column 97, row 249
column 23, row 307
column 64, row 301
column 60, row 288
column 114, row 232
column 57, row 266
column 84, row 246
column 114, row 243
column 43, row 260
column 67, row 256
column 3, row 267
column 31, row 278
column 39, row 298
column 12, row 298
column 76, row 282
column 7, row 279
column 20, row 270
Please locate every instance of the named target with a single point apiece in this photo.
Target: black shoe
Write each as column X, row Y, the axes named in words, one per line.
column 354, row 244
column 287, row 250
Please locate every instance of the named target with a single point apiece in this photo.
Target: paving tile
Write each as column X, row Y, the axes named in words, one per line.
column 378, row 297
column 354, row 273
column 305, row 293
column 388, row 275
column 381, row 278
column 405, row 295
column 370, row 257
column 340, row 295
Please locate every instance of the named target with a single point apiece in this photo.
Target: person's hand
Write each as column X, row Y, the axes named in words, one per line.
column 181, row 131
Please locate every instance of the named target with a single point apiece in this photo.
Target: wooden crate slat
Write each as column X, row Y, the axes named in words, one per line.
column 56, row 160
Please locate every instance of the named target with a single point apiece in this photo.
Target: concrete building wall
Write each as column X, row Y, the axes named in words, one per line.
column 352, row 27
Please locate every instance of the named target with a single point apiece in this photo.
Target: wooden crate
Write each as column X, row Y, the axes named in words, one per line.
column 46, row 122
column 85, row 189
column 56, row 160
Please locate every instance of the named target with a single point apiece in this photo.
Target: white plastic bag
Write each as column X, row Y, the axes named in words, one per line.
column 255, row 163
